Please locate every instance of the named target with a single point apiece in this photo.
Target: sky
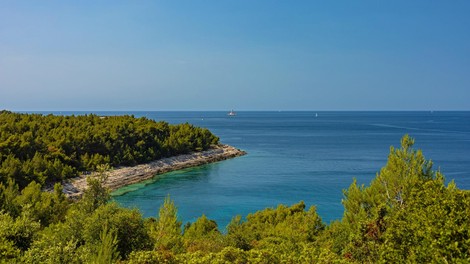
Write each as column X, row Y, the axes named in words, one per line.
column 242, row 55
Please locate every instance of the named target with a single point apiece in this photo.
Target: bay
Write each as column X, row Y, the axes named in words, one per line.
column 294, row 156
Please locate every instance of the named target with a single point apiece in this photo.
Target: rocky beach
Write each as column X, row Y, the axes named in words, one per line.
column 123, row 176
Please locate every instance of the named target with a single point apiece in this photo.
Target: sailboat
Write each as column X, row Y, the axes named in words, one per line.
column 231, row 113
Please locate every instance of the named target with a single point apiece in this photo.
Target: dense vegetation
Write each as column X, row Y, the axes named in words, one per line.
column 406, row 214
column 51, row 148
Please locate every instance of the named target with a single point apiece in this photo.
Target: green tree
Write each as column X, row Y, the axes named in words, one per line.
column 435, row 227
column 166, row 231
column 107, row 249
column 17, row 233
column 387, row 220
column 203, row 235
column 96, row 193
column 8, row 198
column 284, row 229
column 57, row 244
column 9, row 250
column 127, row 225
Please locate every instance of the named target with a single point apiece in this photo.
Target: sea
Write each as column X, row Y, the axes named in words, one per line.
column 297, row 156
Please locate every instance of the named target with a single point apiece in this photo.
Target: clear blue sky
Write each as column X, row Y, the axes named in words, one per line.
column 246, row 55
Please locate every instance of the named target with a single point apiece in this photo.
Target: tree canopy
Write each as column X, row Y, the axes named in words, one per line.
column 406, row 215
column 49, row 148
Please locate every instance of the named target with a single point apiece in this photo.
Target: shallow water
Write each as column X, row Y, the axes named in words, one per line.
column 295, row 156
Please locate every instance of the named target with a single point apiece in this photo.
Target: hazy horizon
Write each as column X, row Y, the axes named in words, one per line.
column 242, row 55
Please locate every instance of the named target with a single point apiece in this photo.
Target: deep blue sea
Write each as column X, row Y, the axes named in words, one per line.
column 294, row 156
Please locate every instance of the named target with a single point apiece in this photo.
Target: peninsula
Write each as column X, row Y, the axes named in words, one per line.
column 46, row 149
column 123, row 176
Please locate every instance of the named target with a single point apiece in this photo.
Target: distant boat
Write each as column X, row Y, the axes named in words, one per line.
column 231, row 113
column 316, row 114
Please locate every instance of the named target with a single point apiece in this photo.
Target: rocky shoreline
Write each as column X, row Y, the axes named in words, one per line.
column 123, row 176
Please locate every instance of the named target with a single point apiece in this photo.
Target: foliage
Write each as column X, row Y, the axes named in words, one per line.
column 107, row 232
column 166, row 230
column 51, row 148
column 17, row 234
column 203, row 235
column 434, row 228
column 127, row 225
column 96, row 194
column 107, row 249
column 406, row 215
column 283, row 227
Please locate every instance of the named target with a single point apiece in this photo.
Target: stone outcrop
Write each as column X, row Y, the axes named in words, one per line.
column 122, row 176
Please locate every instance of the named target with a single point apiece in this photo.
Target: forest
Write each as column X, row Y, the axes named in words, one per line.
column 51, row 148
column 407, row 214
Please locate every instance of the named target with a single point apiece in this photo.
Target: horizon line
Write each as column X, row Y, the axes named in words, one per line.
column 244, row 110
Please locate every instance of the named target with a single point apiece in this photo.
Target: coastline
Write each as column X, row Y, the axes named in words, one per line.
column 123, row 176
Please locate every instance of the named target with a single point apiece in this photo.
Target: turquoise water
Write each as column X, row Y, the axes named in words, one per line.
column 295, row 156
